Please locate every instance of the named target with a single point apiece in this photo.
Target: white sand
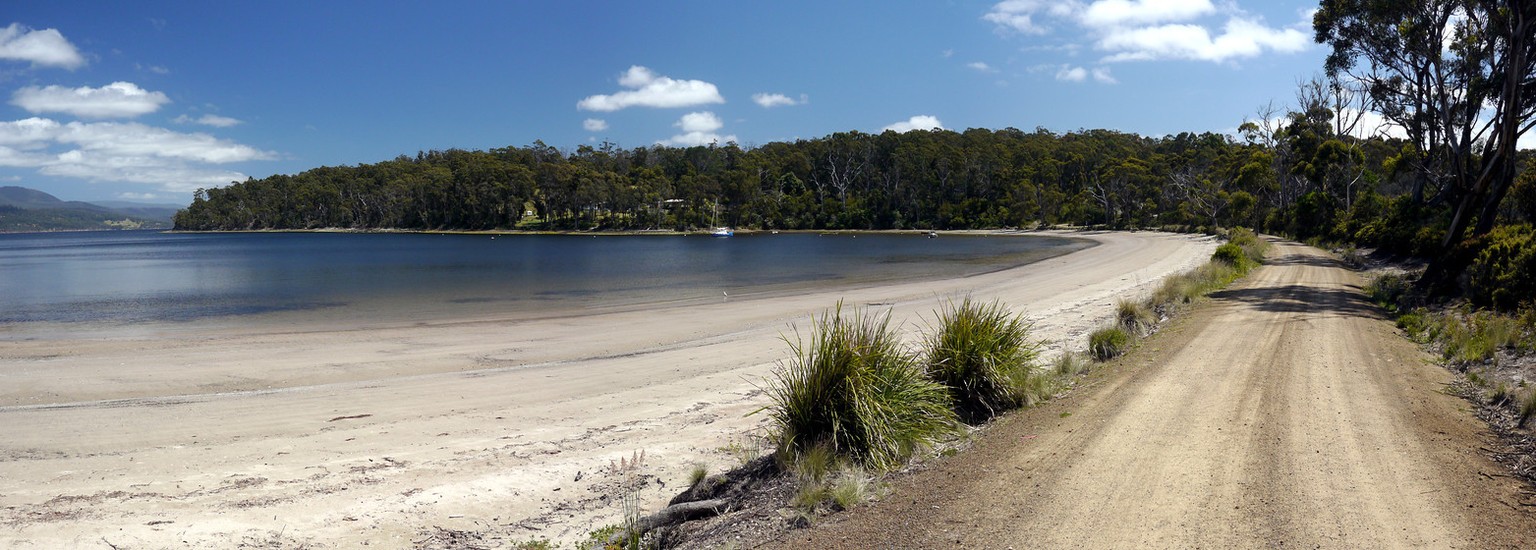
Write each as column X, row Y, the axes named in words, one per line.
column 340, row 438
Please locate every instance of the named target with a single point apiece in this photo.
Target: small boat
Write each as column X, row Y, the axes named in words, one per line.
column 719, row 231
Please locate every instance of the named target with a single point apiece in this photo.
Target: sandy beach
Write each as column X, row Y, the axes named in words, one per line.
column 339, row 438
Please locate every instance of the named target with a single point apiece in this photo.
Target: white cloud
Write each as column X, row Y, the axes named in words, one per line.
column 652, row 90
column 594, row 125
column 40, row 47
column 700, row 122
column 129, row 196
column 1069, row 73
column 981, row 66
column 919, row 122
column 215, row 121
column 1147, row 30
column 698, row 129
column 115, row 100
column 1102, row 76
column 1019, row 15
column 768, row 101
column 1116, row 13
column 1240, row 38
column 123, row 152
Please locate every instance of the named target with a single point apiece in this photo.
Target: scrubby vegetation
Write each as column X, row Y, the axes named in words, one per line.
column 1108, row 343
column 853, row 391
column 852, row 402
column 1493, row 351
column 984, row 355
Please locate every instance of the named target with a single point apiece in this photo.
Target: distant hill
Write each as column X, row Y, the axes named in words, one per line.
column 23, row 209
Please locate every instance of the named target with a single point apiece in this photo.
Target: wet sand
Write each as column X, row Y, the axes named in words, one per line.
column 337, row 437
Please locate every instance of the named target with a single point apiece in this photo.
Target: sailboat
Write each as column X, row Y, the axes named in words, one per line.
column 719, row 230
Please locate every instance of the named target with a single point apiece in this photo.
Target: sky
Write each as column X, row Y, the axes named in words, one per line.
column 149, row 100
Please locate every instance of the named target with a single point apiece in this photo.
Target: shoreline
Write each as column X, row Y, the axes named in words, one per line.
column 632, row 232
column 377, row 435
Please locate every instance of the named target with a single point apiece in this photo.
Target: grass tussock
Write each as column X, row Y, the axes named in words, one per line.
column 1108, row 343
column 1135, row 317
column 854, row 391
column 1070, row 364
column 985, row 357
column 1527, row 409
column 847, row 488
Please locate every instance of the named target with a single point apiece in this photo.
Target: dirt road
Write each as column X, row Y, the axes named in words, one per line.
column 1286, row 414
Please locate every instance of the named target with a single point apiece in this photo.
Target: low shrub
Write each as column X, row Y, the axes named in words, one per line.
column 1414, row 324
column 1108, row 343
column 853, row 390
column 984, row 356
column 1503, row 274
column 1229, row 254
column 1389, row 290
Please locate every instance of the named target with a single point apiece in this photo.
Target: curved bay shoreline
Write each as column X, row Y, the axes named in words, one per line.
column 336, row 438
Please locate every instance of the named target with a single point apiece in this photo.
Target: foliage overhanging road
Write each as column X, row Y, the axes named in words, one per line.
column 1286, row 413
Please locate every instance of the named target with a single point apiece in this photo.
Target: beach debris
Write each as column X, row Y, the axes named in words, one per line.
column 350, row 417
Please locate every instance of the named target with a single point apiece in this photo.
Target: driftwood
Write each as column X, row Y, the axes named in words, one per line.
column 678, row 513
column 673, row 515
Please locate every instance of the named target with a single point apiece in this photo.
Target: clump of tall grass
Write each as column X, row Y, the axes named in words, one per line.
column 853, row 390
column 1069, row 364
column 1185, row 288
column 1135, row 317
column 1108, row 343
column 1527, row 409
column 848, row 488
column 986, row 359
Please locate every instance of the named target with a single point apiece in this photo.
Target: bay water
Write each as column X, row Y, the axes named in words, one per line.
column 122, row 281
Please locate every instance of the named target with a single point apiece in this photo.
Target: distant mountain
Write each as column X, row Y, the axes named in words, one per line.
column 162, row 212
column 23, row 209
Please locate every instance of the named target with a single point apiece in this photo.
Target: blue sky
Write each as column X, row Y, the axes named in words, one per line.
column 149, row 100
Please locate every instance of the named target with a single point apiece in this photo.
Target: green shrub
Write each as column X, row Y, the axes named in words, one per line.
column 1389, row 290
column 1414, row 324
column 984, row 356
column 1503, row 274
column 1229, row 254
column 854, row 390
column 1108, row 343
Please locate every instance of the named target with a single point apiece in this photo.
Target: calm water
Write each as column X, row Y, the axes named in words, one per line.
column 105, row 279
